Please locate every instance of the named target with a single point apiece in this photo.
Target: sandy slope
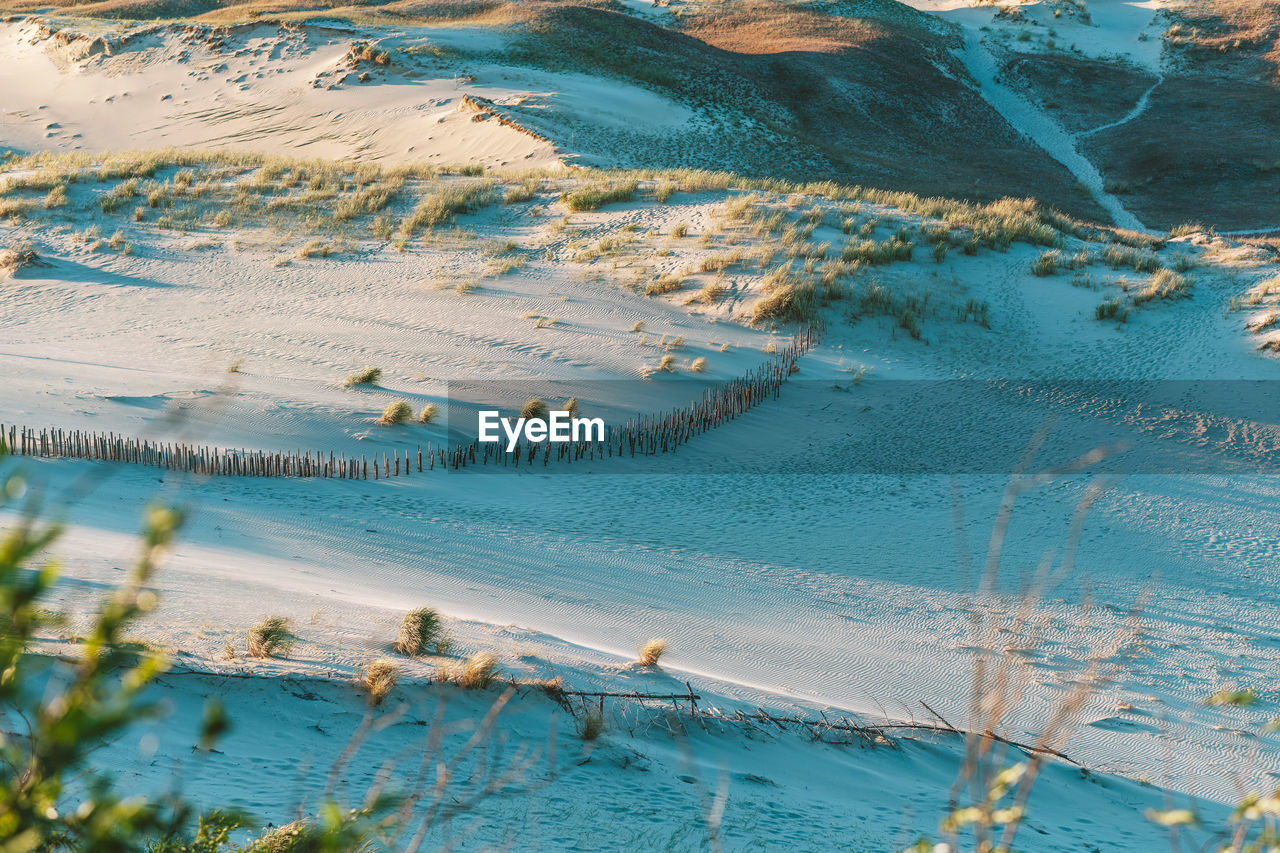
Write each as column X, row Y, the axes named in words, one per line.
column 648, row 783
column 284, row 90
column 804, row 581
column 841, row 591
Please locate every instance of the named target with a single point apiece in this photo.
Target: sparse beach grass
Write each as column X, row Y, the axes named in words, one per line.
column 421, row 631
column 651, row 651
column 477, row 672
column 377, row 678
column 271, row 637
column 368, row 376
column 396, row 412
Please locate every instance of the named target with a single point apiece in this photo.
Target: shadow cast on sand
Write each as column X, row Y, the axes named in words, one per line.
column 61, row 269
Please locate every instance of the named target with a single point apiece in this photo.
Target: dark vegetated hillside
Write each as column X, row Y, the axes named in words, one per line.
column 1081, row 93
column 859, row 91
column 1227, row 36
column 875, row 99
column 1207, row 147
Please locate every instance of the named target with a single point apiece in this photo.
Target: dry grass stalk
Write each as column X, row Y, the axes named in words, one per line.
column 651, row 652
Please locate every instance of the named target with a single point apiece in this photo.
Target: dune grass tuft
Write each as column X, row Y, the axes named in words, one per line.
column 597, row 195
column 664, row 284
column 1186, row 229
column 1237, row 698
column 298, row 835
column 785, row 302
column 428, row 413
column 16, row 257
column 396, row 413
column 443, row 204
column 651, row 652
column 271, row 637
column 57, row 197
column 1111, row 309
column 420, row 630
column 592, row 725
column 475, row 673
column 709, row 294
column 1164, row 284
column 377, row 678
column 1047, row 263
column 368, row 376
column 534, row 409
column 1123, row 256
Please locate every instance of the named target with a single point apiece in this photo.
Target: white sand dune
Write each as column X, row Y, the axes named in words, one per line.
column 810, row 574
column 279, row 92
column 859, row 607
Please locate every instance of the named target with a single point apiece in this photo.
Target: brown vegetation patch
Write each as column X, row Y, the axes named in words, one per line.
column 400, row 13
column 1081, row 93
column 1205, row 147
column 766, row 27
column 875, row 98
column 1216, row 35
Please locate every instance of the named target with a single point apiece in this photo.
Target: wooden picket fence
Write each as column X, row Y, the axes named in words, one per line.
column 650, row 435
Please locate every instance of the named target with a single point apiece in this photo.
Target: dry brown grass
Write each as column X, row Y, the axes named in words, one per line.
column 15, row 258
column 420, row 630
column 368, row 376
column 396, row 413
column 651, row 652
column 765, row 26
column 1213, row 31
column 475, row 673
column 377, row 678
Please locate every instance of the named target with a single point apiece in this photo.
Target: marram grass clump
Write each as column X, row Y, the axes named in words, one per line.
column 594, row 196
column 15, row 258
column 475, row 673
column 592, row 725
column 270, row 638
column 395, row 413
column 651, row 652
column 377, row 678
column 421, row 630
column 534, row 409
column 368, row 376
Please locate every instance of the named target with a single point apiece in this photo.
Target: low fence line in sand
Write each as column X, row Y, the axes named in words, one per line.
column 849, row 731
column 650, row 435
column 835, row 731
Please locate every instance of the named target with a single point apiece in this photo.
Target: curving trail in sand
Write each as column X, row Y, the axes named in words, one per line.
column 1138, row 109
column 1043, row 129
